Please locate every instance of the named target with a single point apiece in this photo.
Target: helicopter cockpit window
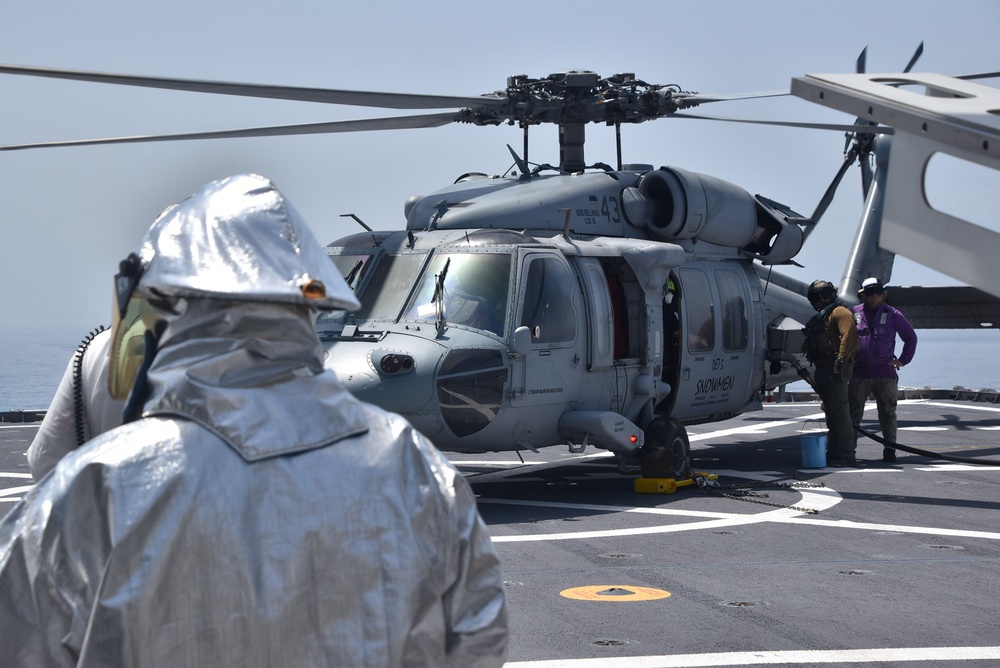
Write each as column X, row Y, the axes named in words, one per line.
column 734, row 310
column 476, row 288
column 352, row 267
column 548, row 306
column 700, row 310
column 392, row 278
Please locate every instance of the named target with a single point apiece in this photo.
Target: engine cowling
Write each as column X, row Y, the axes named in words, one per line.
column 674, row 204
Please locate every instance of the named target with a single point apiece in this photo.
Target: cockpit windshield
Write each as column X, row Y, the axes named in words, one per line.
column 382, row 297
column 352, row 267
column 475, row 289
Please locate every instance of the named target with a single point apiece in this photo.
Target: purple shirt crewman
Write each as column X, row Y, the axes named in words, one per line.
column 876, row 364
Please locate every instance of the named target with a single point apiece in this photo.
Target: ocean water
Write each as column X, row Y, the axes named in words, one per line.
column 32, row 361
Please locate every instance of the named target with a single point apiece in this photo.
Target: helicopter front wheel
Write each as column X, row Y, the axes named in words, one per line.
column 667, row 450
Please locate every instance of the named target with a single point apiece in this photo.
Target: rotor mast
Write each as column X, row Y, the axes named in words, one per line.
column 571, row 140
column 580, row 91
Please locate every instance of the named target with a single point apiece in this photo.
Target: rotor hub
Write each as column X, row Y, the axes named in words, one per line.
column 578, row 97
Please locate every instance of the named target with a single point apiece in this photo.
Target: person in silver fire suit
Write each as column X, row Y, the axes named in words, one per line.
column 250, row 511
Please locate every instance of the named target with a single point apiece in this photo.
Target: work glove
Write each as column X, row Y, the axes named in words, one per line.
column 838, row 368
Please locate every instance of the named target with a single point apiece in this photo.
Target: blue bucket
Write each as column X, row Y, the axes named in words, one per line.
column 813, row 450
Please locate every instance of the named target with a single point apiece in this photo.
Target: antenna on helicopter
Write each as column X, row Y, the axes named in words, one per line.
column 360, row 222
column 521, row 164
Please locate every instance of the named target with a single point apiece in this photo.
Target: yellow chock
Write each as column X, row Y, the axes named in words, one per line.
column 667, row 485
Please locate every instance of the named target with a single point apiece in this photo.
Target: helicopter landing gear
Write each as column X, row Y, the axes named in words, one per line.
column 667, row 451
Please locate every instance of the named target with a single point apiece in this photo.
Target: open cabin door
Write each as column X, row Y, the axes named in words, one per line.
column 715, row 365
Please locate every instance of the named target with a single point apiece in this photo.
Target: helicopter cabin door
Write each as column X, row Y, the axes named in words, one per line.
column 716, row 358
column 549, row 305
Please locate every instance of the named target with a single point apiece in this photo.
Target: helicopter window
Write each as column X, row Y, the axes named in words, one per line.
column 734, row 311
column 476, row 287
column 352, row 267
column 392, row 278
column 548, row 305
column 700, row 309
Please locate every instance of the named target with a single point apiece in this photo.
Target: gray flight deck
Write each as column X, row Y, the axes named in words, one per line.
column 900, row 566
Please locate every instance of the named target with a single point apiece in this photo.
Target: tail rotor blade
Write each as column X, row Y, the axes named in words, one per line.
column 913, row 60
column 831, row 190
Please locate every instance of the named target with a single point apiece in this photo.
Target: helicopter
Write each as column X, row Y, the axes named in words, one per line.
column 567, row 304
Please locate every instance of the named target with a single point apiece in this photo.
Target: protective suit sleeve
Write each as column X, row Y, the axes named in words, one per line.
column 39, row 618
column 474, row 603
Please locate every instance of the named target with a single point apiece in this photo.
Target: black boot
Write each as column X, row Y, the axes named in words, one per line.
column 888, row 454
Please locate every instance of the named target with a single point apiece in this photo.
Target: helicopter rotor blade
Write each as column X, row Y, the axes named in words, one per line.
column 859, row 67
column 361, row 125
column 322, row 95
column 831, row 190
column 860, row 129
column 389, row 123
column 486, row 109
column 914, row 58
column 984, row 75
column 704, row 98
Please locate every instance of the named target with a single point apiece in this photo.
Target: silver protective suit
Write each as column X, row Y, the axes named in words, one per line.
column 256, row 515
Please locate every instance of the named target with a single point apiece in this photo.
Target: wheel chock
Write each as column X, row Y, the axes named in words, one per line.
column 667, row 485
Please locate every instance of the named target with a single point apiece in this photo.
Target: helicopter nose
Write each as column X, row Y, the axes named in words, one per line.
column 470, row 386
column 439, row 390
column 392, row 379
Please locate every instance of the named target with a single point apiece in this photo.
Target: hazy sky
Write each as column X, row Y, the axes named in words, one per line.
column 69, row 215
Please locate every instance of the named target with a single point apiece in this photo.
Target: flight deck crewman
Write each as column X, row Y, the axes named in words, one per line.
column 831, row 345
column 250, row 512
column 875, row 370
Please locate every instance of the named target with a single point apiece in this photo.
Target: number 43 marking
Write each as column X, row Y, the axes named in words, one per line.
column 610, row 210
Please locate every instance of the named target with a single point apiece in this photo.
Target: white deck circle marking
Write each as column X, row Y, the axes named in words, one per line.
column 816, row 498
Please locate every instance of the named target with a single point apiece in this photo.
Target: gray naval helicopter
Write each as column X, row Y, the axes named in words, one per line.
column 578, row 304
column 573, row 304
column 586, row 305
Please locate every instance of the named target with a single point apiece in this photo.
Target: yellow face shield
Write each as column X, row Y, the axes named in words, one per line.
column 131, row 318
column 128, row 345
